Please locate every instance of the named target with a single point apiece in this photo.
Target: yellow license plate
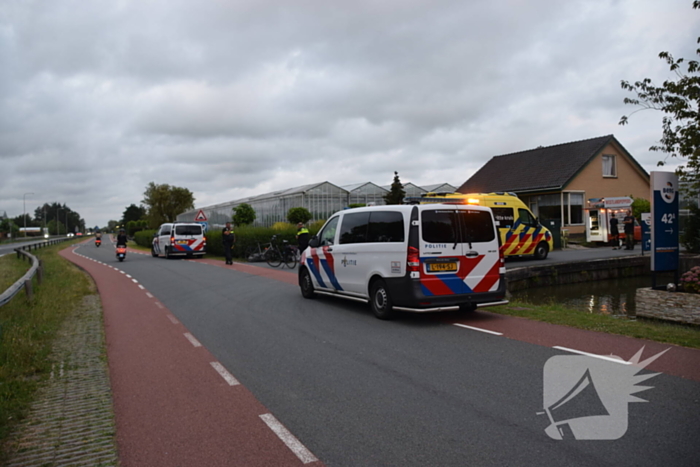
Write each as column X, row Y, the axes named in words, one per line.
column 442, row 267
column 182, row 242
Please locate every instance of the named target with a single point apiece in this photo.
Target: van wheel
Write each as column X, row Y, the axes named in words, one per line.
column 306, row 284
column 167, row 252
column 541, row 251
column 380, row 300
column 153, row 252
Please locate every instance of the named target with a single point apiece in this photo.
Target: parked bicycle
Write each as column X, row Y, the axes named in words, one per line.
column 257, row 253
column 276, row 256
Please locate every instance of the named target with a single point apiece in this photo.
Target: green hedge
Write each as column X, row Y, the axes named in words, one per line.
column 248, row 237
column 144, row 237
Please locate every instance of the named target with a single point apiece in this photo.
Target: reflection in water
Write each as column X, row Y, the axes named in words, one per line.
column 609, row 297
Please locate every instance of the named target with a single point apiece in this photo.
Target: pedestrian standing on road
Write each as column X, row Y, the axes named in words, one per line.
column 614, row 231
column 228, row 238
column 302, row 237
column 629, row 231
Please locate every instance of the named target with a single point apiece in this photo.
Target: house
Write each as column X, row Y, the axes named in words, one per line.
column 556, row 181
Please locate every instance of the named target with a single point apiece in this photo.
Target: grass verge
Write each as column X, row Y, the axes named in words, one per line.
column 655, row 330
column 28, row 329
column 11, row 269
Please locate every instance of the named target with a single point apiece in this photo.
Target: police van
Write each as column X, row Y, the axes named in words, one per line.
column 521, row 232
column 179, row 239
column 421, row 258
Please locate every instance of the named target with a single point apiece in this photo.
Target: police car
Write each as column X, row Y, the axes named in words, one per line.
column 179, row 239
column 420, row 258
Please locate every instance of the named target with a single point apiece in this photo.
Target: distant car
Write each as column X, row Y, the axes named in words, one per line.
column 79, row 234
column 69, row 234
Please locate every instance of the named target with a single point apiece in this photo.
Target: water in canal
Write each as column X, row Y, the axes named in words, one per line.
column 610, row 297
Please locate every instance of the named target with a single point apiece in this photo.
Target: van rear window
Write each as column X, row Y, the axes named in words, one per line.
column 443, row 226
column 188, row 230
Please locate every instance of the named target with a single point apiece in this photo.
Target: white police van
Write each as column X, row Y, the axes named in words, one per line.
column 420, row 258
column 179, row 239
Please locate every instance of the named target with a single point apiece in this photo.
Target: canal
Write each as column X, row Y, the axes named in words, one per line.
column 609, row 297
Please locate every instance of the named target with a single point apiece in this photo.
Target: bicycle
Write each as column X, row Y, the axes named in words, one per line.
column 256, row 253
column 275, row 257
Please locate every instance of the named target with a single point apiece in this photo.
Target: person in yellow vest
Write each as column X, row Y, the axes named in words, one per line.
column 302, row 237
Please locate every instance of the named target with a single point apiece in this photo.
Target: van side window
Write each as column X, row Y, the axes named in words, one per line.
column 504, row 216
column 440, row 226
column 354, row 228
column 477, row 226
column 165, row 230
column 385, row 226
column 327, row 236
column 525, row 217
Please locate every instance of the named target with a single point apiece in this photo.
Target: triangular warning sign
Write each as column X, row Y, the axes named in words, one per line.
column 200, row 217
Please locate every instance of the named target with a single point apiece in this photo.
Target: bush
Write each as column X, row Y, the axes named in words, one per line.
column 144, row 237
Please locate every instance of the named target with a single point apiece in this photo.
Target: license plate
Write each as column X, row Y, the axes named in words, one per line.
column 182, row 242
column 442, row 267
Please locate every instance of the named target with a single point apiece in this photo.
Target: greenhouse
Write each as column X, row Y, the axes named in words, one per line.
column 321, row 200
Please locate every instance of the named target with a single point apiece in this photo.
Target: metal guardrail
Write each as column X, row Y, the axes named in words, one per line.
column 26, row 280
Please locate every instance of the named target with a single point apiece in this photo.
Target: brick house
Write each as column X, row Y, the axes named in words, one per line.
column 556, row 181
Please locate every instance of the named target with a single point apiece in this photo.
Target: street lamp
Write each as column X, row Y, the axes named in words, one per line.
column 24, row 211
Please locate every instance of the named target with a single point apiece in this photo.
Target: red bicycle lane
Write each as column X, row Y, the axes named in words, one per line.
column 174, row 404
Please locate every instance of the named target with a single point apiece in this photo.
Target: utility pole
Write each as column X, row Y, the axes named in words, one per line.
column 24, row 211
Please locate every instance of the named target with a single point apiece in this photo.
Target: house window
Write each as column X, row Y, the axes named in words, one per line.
column 609, row 166
column 573, row 208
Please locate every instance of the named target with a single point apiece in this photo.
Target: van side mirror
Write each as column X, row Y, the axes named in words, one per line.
column 314, row 242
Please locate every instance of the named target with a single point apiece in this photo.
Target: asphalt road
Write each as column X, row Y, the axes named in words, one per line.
column 414, row 391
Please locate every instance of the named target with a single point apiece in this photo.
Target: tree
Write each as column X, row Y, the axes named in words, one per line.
column 640, row 205
column 8, row 227
column 243, row 214
column 396, row 193
column 112, row 225
column 133, row 213
column 164, row 202
column 296, row 215
column 680, row 101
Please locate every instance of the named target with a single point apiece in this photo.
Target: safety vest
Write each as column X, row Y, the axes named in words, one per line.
column 303, row 230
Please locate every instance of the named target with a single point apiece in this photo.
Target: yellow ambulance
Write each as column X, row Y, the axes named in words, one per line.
column 521, row 233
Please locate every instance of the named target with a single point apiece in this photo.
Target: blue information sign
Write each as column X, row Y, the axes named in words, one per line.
column 646, row 231
column 664, row 221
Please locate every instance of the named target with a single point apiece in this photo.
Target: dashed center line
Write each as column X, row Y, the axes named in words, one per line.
column 289, row 439
column 228, row 377
column 602, row 357
column 479, row 329
column 192, row 340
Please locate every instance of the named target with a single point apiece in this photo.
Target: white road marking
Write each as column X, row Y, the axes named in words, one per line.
column 121, row 271
column 134, row 281
column 479, row 329
column 173, row 319
column 128, row 276
column 289, row 439
column 228, row 377
column 602, row 357
column 142, row 287
column 192, row 339
column 159, row 305
column 149, row 295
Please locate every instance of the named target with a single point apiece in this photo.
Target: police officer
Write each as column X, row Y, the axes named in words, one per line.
column 302, row 237
column 228, row 238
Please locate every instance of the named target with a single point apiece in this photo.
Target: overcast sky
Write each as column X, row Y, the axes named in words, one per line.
column 236, row 98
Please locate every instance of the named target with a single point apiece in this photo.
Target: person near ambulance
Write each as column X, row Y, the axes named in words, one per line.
column 228, row 238
column 629, row 231
column 614, row 231
column 302, row 237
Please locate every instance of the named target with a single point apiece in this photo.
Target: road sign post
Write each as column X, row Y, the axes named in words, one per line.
column 664, row 223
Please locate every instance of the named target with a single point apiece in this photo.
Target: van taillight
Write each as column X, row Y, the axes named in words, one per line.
column 172, row 240
column 413, row 259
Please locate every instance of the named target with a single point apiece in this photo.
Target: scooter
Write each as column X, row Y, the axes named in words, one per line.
column 121, row 252
column 98, row 242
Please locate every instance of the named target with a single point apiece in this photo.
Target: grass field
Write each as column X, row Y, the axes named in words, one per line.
column 28, row 328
